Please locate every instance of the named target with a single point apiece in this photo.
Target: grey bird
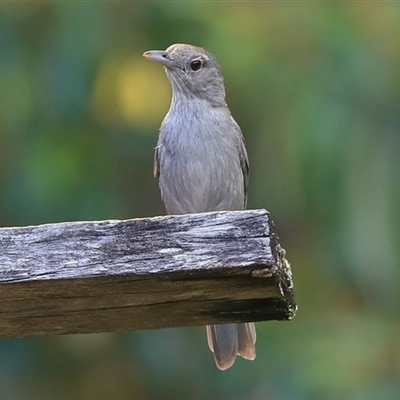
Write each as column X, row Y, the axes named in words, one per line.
column 201, row 162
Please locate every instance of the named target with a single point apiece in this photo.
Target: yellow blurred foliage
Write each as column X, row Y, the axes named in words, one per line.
column 132, row 90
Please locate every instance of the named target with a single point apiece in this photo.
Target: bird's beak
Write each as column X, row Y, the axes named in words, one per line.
column 160, row 57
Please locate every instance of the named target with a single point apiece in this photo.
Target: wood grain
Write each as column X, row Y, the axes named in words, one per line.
column 81, row 277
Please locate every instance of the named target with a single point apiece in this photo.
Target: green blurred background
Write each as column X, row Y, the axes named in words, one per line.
column 316, row 90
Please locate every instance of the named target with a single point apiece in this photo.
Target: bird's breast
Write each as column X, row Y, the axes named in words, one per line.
column 199, row 164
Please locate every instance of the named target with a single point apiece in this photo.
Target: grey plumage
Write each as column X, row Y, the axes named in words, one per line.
column 201, row 162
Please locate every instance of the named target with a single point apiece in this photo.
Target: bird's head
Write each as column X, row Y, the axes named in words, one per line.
column 192, row 71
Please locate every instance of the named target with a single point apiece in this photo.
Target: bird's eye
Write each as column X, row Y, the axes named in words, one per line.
column 195, row 65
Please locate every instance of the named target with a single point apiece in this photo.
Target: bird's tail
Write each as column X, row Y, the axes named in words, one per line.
column 228, row 341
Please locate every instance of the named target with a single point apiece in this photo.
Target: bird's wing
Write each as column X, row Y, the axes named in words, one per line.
column 156, row 164
column 243, row 158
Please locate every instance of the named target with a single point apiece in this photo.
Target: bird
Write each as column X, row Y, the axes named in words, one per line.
column 201, row 163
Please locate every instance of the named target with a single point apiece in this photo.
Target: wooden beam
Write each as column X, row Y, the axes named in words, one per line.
column 197, row 269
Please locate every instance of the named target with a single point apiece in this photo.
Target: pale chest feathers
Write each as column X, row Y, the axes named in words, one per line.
column 198, row 161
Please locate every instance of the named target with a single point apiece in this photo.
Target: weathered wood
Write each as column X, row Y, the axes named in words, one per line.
column 197, row 269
